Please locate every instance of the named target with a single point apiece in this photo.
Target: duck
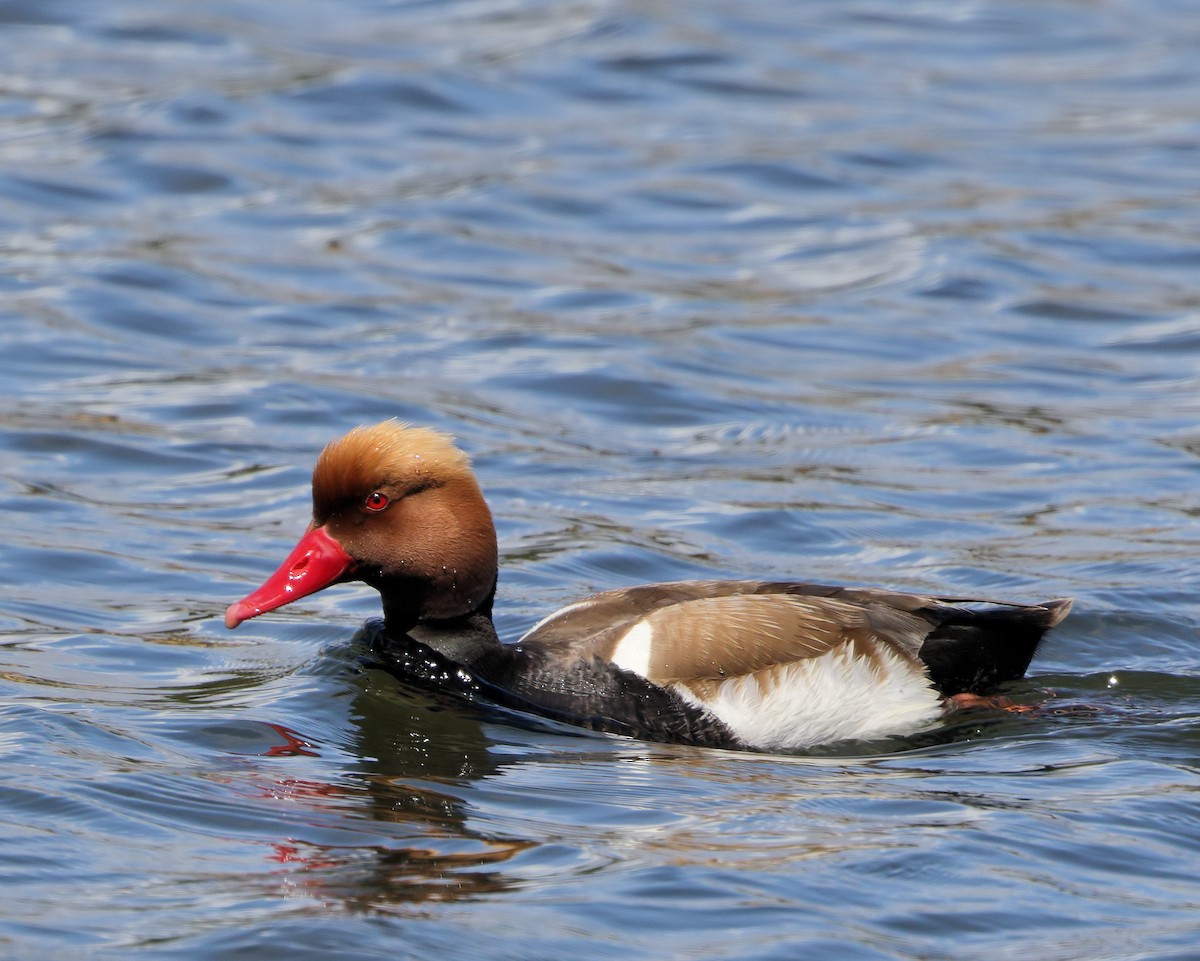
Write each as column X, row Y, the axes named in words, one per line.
column 759, row 665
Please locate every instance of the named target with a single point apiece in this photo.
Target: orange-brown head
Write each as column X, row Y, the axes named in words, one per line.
column 399, row 508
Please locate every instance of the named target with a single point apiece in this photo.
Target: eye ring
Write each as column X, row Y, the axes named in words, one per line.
column 376, row 501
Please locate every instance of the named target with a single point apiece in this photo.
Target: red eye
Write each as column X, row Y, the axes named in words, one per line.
column 376, row 501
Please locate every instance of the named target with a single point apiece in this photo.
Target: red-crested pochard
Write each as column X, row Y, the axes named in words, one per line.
column 746, row 664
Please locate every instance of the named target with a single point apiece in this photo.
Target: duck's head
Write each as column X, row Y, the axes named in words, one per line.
column 399, row 508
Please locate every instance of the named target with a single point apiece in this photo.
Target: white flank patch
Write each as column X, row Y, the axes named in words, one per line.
column 633, row 649
column 829, row 698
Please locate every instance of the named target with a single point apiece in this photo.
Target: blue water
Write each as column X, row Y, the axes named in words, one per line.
column 857, row 292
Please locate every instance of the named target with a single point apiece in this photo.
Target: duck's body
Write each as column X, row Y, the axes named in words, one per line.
column 748, row 664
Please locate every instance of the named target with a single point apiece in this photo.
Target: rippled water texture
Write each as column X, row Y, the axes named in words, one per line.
column 860, row 292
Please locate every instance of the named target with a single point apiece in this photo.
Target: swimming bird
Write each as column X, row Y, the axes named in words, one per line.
column 746, row 664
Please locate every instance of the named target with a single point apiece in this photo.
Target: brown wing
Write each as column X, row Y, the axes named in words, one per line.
column 601, row 617
column 714, row 629
column 700, row 633
column 722, row 637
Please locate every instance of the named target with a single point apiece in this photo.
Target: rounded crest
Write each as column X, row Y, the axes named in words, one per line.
column 385, row 454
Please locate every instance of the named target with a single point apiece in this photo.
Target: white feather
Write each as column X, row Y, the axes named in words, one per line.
column 633, row 649
column 834, row 697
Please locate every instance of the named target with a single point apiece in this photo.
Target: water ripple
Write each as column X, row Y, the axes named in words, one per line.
column 847, row 292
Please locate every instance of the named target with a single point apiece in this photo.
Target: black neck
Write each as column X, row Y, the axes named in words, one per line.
column 404, row 604
column 469, row 640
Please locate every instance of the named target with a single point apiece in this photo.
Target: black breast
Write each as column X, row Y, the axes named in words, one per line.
column 585, row 693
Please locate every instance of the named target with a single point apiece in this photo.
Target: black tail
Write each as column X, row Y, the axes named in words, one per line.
column 972, row 651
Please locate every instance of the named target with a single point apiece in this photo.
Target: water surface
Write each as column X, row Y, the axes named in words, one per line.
column 851, row 292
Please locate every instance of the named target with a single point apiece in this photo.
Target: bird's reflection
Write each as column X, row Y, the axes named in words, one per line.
column 399, row 822
column 402, row 826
